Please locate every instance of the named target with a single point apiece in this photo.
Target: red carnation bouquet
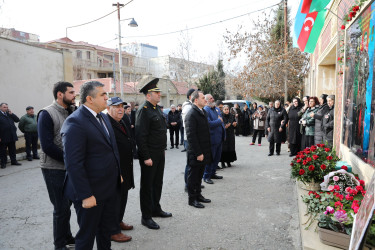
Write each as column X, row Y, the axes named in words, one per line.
column 312, row 164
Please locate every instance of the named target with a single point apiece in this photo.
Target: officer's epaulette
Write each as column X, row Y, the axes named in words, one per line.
column 145, row 107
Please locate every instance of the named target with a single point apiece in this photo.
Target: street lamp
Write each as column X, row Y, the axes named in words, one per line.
column 132, row 23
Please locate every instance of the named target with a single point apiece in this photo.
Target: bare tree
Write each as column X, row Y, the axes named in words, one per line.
column 263, row 73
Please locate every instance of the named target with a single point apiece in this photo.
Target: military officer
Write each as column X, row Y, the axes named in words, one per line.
column 150, row 130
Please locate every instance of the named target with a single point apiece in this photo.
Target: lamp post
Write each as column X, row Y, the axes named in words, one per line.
column 132, row 23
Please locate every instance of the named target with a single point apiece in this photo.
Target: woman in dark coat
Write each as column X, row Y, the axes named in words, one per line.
column 318, row 116
column 328, row 121
column 238, row 119
column 295, row 135
column 246, row 119
column 308, row 122
column 228, row 153
column 305, row 101
column 276, row 121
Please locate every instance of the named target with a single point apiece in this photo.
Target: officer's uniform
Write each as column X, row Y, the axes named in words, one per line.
column 151, row 140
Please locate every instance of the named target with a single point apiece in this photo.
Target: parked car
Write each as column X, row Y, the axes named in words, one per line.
column 241, row 103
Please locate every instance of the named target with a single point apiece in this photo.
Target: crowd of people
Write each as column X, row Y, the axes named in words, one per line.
column 87, row 156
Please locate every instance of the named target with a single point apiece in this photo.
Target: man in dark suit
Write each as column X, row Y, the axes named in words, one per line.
column 93, row 168
column 199, row 148
column 8, row 135
column 125, row 147
column 132, row 116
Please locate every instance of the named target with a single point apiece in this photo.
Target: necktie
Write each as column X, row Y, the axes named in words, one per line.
column 102, row 124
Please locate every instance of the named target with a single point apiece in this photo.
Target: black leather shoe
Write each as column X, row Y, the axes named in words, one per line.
column 229, row 165
column 150, row 223
column 29, row 158
column 184, row 150
column 202, row 186
column 161, row 214
column 208, row 181
column 177, row 146
column 3, row 166
column 223, row 165
column 16, row 163
column 217, row 177
column 278, row 153
column 196, row 204
column 270, row 154
column 204, row 200
column 36, row 157
column 171, row 147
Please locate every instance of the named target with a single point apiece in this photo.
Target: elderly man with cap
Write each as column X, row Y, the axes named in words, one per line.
column 28, row 125
column 124, row 143
column 150, row 131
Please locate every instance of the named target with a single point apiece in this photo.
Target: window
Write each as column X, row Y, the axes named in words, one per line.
column 88, row 75
column 125, row 61
column 79, row 54
column 181, row 66
column 108, row 57
column 102, row 75
column 88, row 55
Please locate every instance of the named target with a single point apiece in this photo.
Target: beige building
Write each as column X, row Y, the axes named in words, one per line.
column 93, row 61
column 171, row 92
column 343, row 64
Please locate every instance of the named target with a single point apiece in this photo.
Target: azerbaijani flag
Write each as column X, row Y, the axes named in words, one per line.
column 307, row 29
column 309, row 6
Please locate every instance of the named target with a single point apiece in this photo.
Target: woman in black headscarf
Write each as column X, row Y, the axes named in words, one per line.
column 295, row 135
column 228, row 153
column 318, row 116
column 246, row 121
column 276, row 121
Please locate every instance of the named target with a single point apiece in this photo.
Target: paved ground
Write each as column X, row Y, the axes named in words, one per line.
column 253, row 207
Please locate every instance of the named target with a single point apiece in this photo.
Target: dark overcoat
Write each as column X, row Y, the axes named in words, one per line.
column 328, row 125
column 230, row 141
column 273, row 121
column 125, row 148
column 8, row 128
column 198, row 136
column 295, row 135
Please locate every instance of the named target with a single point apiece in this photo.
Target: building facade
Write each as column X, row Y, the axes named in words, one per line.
column 20, row 36
column 343, row 64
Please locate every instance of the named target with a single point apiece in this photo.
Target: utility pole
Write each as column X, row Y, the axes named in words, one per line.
column 286, row 48
column 118, row 5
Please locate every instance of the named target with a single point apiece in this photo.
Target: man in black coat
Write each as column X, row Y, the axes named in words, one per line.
column 125, row 147
column 8, row 135
column 199, row 149
column 174, row 123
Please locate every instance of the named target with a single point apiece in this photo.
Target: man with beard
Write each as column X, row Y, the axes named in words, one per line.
column 50, row 120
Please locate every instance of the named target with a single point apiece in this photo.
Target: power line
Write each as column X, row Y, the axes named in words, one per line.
column 204, row 25
column 99, row 17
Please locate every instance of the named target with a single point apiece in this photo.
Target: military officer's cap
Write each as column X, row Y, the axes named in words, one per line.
column 148, row 84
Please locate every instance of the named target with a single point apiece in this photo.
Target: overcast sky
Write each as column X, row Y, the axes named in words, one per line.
column 49, row 20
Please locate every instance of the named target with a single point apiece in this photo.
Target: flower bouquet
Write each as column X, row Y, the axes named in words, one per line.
column 339, row 215
column 312, row 164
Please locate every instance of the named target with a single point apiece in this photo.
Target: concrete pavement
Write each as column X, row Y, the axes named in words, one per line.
column 253, row 207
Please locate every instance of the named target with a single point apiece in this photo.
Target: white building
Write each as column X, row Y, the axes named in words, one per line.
column 141, row 50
